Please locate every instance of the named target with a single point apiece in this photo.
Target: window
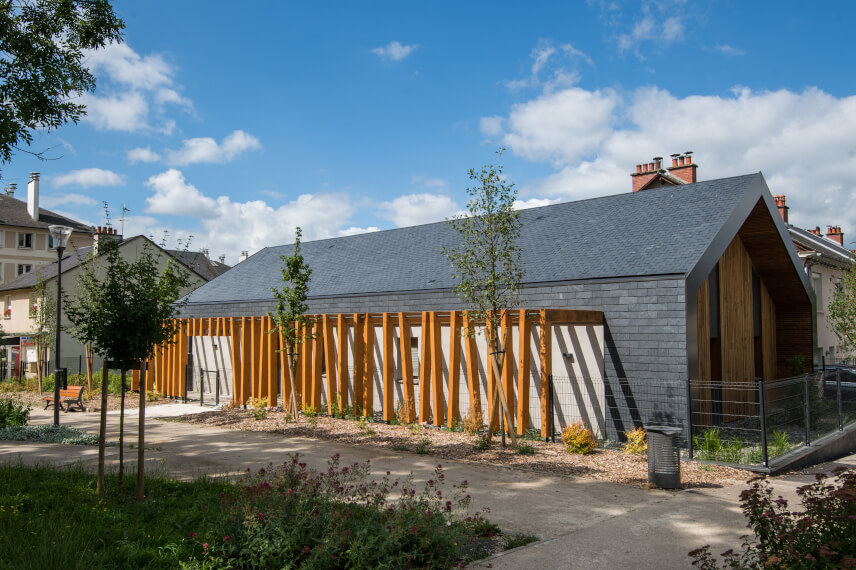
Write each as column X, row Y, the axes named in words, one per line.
column 50, row 242
column 817, row 285
column 7, row 307
column 24, row 268
column 1, row 238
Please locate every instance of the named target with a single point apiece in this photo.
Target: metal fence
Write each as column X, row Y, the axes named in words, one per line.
column 751, row 423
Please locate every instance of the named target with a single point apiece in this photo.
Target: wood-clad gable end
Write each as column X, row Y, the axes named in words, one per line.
column 363, row 361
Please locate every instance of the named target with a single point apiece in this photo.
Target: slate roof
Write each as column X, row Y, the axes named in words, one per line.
column 662, row 231
column 829, row 250
column 200, row 263
column 13, row 212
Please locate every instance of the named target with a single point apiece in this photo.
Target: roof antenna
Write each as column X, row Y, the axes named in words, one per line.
column 125, row 210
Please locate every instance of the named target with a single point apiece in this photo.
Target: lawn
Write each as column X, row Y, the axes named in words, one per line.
column 286, row 516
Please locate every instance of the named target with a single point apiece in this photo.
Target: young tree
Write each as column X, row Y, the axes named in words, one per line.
column 290, row 319
column 488, row 265
column 42, row 71
column 43, row 312
column 125, row 309
column 842, row 310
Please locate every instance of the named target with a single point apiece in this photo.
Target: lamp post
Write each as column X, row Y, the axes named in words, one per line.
column 60, row 235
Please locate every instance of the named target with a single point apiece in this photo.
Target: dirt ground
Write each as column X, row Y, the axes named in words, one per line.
column 93, row 404
column 604, row 464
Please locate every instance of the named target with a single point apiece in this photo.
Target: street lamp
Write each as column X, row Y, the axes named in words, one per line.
column 60, row 235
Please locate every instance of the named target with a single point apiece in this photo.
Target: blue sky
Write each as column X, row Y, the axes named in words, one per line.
column 235, row 122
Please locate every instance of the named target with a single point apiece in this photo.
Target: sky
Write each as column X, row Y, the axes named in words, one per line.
column 226, row 125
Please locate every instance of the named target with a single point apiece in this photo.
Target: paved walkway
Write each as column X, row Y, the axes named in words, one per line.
column 583, row 523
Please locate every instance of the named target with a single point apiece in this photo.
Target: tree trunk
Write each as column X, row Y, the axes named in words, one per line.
column 496, row 363
column 39, row 366
column 141, row 453
column 292, row 366
column 102, row 432
column 88, row 350
column 122, row 431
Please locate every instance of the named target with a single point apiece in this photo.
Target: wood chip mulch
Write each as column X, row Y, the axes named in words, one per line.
column 551, row 458
column 93, row 404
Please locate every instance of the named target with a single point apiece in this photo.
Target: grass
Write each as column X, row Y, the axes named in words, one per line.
column 518, row 540
column 288, row 516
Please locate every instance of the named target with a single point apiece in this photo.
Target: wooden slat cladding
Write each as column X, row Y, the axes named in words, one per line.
column 736, row 326
column 793, row 338
column 768, row 334
column 703, row 328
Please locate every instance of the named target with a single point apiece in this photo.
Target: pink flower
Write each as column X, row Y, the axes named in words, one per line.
column 226, row 538
column 192, row 535
column 205, row 546
column 306, row 550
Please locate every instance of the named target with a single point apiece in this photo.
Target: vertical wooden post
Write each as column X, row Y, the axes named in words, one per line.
column 492, row 384
column 330, row 361
column 473, row 380
column 342, row 365
column 524, row 329
column 507, row 367
column 358, row 365
column 306, row 348
column 317, row 360
column 437, row 370
column 284, row 374
column 454, row 369
column 388, row 371
column 368, row 378
column 247, row 359
column 425, row 369
column 406, row 368
column 546, row 356
column 182, row 359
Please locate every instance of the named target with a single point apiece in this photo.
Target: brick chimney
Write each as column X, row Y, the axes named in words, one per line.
column 103, row 234
column 816, row 231
column 683, row 167
column 783, row 208
column 645, row 172
column 33, row 196
column 834, row 233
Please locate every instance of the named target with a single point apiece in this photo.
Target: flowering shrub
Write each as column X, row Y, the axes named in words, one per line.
column 579, row 439
column 260, row 408
column 821, row 536
column 637, row 443
column 292, row 516
column 13, row 412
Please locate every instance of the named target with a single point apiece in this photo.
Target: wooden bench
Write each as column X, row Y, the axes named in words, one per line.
column 72, row 396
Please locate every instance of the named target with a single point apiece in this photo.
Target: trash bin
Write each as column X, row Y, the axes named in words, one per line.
column 664, row 456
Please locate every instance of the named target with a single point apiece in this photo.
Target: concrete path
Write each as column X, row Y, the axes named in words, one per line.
column 583, row 523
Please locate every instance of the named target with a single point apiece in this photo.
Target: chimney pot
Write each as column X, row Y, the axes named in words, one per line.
column 650, row 166
column 638, row 169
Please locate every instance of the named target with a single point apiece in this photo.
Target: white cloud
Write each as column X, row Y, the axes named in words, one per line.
column 428, row 182
column 553, row 67
column 726, row 49
column 415, row 209
column 491, row 126
column 142, row 155
column 206, row 149
column 229, row 227
column 800, row 140
column 353, row 230
column 534, row 203
column 134, row 86
column 660, row 24
column 87, row 177
column 62, row 199
column 394, row 51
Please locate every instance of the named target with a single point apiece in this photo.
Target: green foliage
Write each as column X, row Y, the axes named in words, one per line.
column 13, row 412
column 841, row 312
column 579, row 439
column 49, row 433
column 797, row 363
column 525, row 449
column 518, row 540
column 482, row 442
column 259, row 408
column 637, row 443
column 123, row 308
column 289, row 318
column 43, row 72
column 422, row 446
column 363, row 424
column 43, row 316
column 820, row 535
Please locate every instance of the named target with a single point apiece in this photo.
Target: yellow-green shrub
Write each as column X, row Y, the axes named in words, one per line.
column 637, row 442
column 579, row 439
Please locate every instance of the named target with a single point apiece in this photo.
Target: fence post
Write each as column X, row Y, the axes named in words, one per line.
column 838, row 395
column 217, row 388
column 689, row 419
column 552, row 412
column 79, row 364
column 762, row 404
column 807, row 411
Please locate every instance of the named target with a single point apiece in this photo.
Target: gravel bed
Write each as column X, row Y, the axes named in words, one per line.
column 552, row 458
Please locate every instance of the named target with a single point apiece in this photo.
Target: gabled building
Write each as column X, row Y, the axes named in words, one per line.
column 825, row 258
column 25, row 241
column 18, row 295
column 679, row 281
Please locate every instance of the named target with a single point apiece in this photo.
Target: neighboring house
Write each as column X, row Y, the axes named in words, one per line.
column 680, row 281
column 18, row 295
column 825, row 259
column 25, row 241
